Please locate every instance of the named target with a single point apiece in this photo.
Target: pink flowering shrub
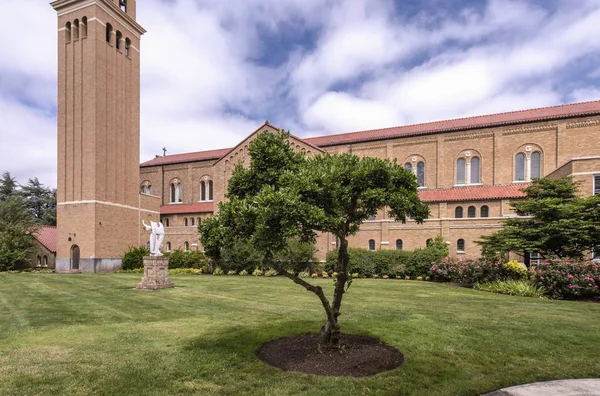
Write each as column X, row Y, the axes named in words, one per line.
column 467, row 272
column 565, row 279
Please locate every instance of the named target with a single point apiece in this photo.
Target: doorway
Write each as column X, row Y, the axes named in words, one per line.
column 75, row 257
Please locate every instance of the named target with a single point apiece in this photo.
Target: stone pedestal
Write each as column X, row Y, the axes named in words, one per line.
column 156, row 274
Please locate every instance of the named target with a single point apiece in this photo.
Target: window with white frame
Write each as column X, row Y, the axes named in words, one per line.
column 596, row 253
column 468, row 168
column 528, row 164
column 596, row 184
column 535, row 258
column 176, row 192
column 206, row 189
column 416, row 165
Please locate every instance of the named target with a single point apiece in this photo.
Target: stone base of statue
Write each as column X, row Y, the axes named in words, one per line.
column 156, row 274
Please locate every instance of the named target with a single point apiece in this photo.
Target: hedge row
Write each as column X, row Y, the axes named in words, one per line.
column 177, row 259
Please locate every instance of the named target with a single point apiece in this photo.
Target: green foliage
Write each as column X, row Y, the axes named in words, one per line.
column 392, row 263
column 271, row 272
column 561, row 224
column 240, row 255
column 257, row 272
column 303, row 274
column 185, row 271
column 232, row 272
column 189, row 259
column 16, row 225
column 40, row 200
column 243, row 273
column 514, row 270
column 513, row 287
column 134, row 257
column 8, row 186
column 296, row 255
column 218, row 271
column 131, row 271
column 566, row 279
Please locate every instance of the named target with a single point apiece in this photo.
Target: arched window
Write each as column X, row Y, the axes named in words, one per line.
column 68, row 32
column 76, row 29
column 192, row 220
column 118, row 40
column 45, row 261
column 165, row 222
column 146, row 188
column 84, row 27
column 123, row 5
column 210, row 190
column 536, row 165
column 485, row 211
column 185, row 221
column 471, row 212
column 458, row 212
column 371, row 244
column 39, row 261
column 520, row 167
column 168, row 246
column 408, row 166
column 398, row 244
column 108, row 32
column 127, row 46
column 427, row 242
column 203, row 191
column 176, row 192
column 461, row 165
column 421, row 174
column 186, row 246
column 460, row 245
column 199, row 220
column 475, row 171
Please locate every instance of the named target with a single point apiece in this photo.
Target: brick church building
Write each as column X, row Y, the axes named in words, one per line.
column 469, row 169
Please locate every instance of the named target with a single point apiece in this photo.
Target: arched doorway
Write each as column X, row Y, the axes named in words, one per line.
column 75, row 257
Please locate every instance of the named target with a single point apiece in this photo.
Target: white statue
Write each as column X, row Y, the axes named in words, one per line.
column 156, row 237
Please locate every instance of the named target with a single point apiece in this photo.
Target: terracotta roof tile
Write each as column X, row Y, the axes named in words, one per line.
column 186, row 157
column 474, row 193
column 46, row 235
column 203, row 207
column 513, row 117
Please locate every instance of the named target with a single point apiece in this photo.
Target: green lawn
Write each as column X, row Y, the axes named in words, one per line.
column 96, row 334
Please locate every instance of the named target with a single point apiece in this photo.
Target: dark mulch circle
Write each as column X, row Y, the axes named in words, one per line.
column 358, row 357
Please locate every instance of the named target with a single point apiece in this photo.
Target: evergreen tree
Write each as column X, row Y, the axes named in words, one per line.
column 8, row 186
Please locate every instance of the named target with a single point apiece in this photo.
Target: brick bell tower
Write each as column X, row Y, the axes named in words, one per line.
column 98, row 200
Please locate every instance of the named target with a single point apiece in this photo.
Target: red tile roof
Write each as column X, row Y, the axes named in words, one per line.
column 186, row 157
column 193, row 208
column 475, row 193
column 46, row 235
column 513, row 117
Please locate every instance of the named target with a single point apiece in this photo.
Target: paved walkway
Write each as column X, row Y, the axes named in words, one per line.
column 573, row 387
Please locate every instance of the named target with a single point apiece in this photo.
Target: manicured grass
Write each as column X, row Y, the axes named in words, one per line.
column 95, row 334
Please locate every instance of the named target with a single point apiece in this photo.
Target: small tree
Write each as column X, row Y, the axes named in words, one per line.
column 16, row 226
column 285, row 195
column 40, row 200
column 555, row 223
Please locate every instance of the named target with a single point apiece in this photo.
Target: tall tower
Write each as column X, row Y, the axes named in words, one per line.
column 98, row 133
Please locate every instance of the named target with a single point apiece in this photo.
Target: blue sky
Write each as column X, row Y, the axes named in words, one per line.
column 213, row 70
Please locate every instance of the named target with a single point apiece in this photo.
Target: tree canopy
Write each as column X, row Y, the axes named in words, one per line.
column 554, row 221
column 285, row 195
column 16, row 226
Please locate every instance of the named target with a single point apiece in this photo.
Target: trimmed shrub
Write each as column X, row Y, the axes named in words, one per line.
column 513, row 287
column 303, row 274
column 565, row 279
column 190, row 259
column 514, row 270
column 134, row 257
column 232, row 272
column 240, row 256
column 271, row 272
column 257, row 272
column 243, row 273
column 185, row 271
column 218, row 271
column 466, row 272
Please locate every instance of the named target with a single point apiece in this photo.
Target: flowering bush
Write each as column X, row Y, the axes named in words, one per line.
column 466, row 272
column 565, row 279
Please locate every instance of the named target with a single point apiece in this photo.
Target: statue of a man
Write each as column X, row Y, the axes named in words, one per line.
column 156, row 237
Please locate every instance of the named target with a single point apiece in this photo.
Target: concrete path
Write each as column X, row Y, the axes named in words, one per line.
column 573, row 387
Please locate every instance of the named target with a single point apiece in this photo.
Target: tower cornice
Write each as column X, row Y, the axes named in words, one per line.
column 65, row 6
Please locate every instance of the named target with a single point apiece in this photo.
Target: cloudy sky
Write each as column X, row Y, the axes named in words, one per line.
column 214, row 70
